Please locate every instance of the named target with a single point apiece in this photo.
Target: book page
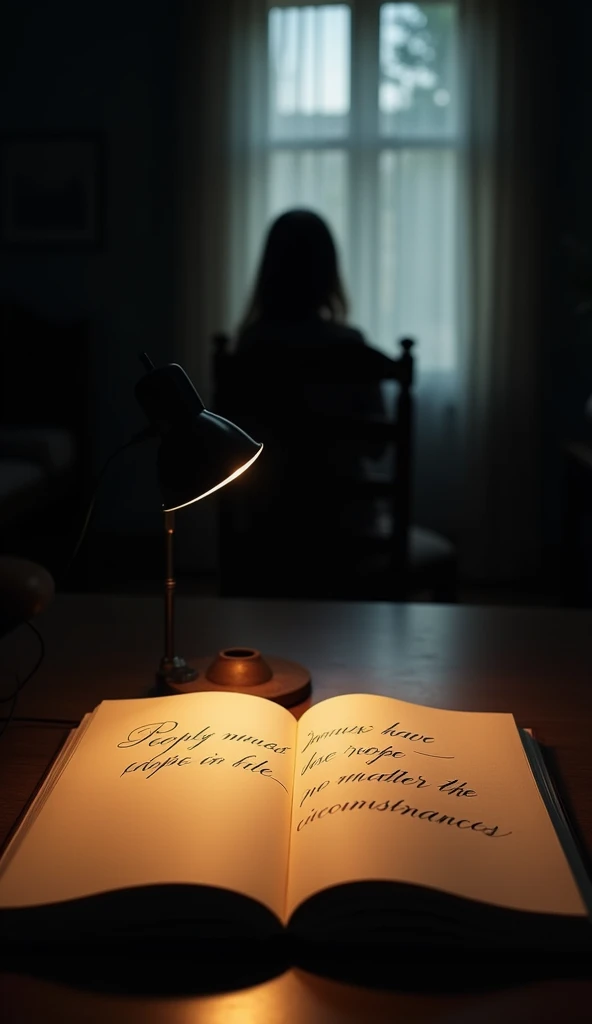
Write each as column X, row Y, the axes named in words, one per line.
column 193, row 788
column 387, row 790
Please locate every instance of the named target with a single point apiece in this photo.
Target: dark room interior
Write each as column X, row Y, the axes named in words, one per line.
column 76, row 314
column 338, row 257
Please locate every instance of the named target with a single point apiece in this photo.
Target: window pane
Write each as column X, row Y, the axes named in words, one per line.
column 417, row 92
column 316, row 179
column 416, row 247
column 309, row 50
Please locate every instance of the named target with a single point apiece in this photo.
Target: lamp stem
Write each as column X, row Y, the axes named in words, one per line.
column 169, row 588
column 173, row 669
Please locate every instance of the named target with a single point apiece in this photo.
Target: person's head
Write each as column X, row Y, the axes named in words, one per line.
column 298, row 274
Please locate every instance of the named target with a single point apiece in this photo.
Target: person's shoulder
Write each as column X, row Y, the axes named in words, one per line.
column 344, row 333
column 264, row 332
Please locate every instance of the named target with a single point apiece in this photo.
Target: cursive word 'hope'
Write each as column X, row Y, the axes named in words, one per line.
column 153, row 766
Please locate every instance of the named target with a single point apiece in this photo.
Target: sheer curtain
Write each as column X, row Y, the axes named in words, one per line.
column 359, row 111
column 501, row 246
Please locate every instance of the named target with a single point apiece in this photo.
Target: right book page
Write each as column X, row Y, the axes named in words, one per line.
column 387, row 790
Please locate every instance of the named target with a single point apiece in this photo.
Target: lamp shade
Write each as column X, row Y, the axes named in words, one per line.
column 199, row 451
column 196, row 460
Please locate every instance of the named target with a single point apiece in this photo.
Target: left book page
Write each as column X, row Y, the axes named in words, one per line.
column 189, row 789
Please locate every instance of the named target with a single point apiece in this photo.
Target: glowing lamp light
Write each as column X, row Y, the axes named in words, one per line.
column 229, row 479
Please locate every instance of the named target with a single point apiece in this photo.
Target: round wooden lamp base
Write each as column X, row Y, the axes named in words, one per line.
column 244, row 670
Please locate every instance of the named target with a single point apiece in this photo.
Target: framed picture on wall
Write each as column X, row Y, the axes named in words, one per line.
column 50, row 190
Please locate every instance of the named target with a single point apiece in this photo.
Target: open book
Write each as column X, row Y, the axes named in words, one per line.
column 370, row 819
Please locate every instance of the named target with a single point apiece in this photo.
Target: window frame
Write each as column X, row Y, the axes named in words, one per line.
column 363, row 144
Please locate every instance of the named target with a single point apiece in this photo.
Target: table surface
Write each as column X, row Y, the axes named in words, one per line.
column 536, row 663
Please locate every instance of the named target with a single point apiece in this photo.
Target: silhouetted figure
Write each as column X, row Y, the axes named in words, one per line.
column 299, row 302
column 302, row 373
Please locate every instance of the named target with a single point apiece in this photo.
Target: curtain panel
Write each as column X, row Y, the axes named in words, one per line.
column 501, row 255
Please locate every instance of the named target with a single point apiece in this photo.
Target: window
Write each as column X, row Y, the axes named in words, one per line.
column 361, row 123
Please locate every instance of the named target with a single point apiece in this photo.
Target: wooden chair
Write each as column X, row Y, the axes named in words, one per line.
column 296, row 524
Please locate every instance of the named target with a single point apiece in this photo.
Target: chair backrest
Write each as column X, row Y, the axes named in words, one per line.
column 301, row 402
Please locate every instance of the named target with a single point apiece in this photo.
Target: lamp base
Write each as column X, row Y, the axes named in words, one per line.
column 174, row 671
column 243, row 670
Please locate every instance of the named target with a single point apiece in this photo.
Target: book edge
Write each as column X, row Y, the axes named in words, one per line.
column 557, row 814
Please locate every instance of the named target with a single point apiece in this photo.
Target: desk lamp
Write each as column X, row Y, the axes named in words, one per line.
column 199, row 453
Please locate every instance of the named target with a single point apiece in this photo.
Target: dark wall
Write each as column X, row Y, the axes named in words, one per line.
column 567, row 347
column 70, row 66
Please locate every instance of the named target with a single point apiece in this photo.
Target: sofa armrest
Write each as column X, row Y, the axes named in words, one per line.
column 51, row 448
column 23, row 485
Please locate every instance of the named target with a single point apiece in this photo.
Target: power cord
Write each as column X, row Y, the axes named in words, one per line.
column 12, row 697
column 143, row 435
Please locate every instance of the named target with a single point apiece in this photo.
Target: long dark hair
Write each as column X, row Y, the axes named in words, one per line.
column 298, row 274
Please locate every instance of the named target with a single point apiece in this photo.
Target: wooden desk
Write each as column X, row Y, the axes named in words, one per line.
column 534, row 662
